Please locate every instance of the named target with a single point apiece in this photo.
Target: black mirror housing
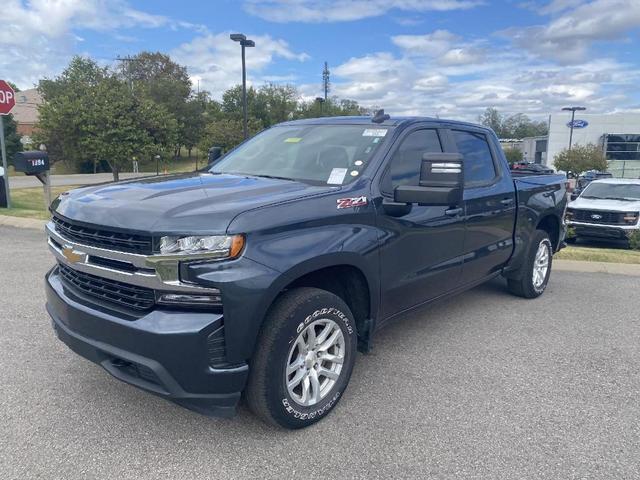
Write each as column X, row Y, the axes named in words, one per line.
column 441, row 181
column 429, row 196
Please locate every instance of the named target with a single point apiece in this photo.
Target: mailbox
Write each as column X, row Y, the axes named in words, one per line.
column 31, row 163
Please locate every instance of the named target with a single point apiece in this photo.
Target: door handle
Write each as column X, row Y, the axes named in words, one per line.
column 506, row 201
column 452, row 212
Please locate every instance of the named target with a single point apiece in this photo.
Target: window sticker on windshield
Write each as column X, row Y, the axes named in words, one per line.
column 337, row 176
column 374, row 132
column 357, row 163
column 376, row 140
column 354, row 173
column 293, row 140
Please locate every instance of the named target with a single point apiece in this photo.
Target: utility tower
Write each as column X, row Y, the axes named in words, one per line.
column 326, row 83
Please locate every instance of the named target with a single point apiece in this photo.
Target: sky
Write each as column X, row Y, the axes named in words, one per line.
column 451, row 58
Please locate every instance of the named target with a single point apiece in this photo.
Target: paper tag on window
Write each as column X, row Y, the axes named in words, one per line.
column 374, row 132
column 337, row 176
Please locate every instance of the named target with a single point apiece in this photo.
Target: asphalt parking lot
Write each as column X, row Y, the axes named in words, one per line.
column 482, row 386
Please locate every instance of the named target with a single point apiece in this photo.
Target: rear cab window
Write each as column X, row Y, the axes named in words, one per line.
column 479, row 165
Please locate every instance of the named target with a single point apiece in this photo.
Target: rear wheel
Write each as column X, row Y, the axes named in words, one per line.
column 304, row 358
column 532, row 280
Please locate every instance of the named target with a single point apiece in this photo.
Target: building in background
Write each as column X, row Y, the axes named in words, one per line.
column 534, row 149
column 618, row 134
column 25, row 113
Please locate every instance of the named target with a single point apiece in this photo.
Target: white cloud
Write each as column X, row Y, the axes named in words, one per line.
column 38, row 38
column 445, row 47
column 575, row 26
column 510, row 80
column 214, row 60
column 315, row 11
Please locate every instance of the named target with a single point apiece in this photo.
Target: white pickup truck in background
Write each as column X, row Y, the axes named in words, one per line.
column 606, row 209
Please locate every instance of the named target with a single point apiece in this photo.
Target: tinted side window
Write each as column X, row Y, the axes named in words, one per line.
column 407, row 160
column 478, row 162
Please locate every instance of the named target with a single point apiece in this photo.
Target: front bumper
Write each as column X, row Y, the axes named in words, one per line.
column 608, row 232
column 163, row 352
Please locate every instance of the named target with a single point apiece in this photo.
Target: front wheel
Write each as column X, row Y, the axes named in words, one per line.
column 536, row 269
column 304, row 358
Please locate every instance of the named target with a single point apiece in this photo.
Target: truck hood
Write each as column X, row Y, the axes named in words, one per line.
column 189, row 203
column 602, row 204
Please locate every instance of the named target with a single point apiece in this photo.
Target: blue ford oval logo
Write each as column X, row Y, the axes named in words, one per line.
column 578, row 124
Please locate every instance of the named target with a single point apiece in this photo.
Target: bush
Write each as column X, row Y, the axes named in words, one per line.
column 634, row 240
column 581, row 158
column 513, row 155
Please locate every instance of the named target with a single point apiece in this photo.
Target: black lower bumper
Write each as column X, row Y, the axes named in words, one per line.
column 604, row 232
column 163, row 352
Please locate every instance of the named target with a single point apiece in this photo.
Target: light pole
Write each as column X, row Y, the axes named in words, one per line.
column 242, row 39
column 573, row 111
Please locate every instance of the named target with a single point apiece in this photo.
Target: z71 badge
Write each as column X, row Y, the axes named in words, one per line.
column 351, row 202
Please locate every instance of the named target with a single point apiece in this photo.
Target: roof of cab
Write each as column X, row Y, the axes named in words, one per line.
column 366, row 120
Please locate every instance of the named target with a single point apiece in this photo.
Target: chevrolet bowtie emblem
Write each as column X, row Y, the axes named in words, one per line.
column 72, row 256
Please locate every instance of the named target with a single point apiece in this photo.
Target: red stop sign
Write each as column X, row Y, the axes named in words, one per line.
column 7, row 98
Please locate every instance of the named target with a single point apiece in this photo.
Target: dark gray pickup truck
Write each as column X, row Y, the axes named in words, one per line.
column 266, row 273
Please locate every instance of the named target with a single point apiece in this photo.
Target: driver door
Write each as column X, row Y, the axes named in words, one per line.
column 422, row 246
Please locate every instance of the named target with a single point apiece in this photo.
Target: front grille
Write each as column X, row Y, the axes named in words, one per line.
column 608, row 218
column 99, row 237
column 123, row 294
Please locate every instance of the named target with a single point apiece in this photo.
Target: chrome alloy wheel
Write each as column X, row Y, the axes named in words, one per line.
column 314, row 362
column 541, row 265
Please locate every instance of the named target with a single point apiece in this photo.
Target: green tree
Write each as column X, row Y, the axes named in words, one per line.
column 581, row 158
column 226, row 133
column 493, row 119
column 514, row 126
column 157, row 77
column 92, row 117
column 11, row 138
column 514, row 155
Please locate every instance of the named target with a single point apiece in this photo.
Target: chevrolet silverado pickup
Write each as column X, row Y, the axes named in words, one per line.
column 262, row 276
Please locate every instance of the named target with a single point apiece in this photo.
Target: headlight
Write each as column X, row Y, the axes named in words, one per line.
column 568, row 214
column 631, row 218
column 215, row 246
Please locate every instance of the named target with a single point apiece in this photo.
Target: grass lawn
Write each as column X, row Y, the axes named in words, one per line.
column 29, row 202
column 596, row 254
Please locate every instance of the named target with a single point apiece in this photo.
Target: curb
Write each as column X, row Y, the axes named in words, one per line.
column 20, row 222
column 597, row 267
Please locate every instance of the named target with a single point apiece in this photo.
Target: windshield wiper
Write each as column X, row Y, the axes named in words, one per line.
column 624, row 199
column 270, row 176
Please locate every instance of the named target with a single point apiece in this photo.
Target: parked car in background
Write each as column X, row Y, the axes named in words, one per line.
column 606, row 209
column 586, row 178
column 531, row 167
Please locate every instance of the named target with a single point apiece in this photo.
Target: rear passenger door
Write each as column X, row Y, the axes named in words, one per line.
column 489, row 205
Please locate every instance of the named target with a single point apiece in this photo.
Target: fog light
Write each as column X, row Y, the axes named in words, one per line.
column 189, row 299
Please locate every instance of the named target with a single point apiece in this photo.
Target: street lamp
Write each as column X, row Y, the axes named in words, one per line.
column 242, row 39
column 573, row 111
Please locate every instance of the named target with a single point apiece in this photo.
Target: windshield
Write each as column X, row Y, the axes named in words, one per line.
column 322, row 154
column 612, row 191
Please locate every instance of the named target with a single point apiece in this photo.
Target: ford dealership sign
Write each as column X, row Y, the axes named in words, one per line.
column 577, row 124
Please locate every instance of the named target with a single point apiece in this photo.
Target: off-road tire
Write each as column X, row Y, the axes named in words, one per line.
column 266, row 393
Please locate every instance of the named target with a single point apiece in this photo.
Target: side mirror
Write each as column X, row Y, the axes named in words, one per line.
column 574, row 196
column 214, row 154
column 441, row 182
